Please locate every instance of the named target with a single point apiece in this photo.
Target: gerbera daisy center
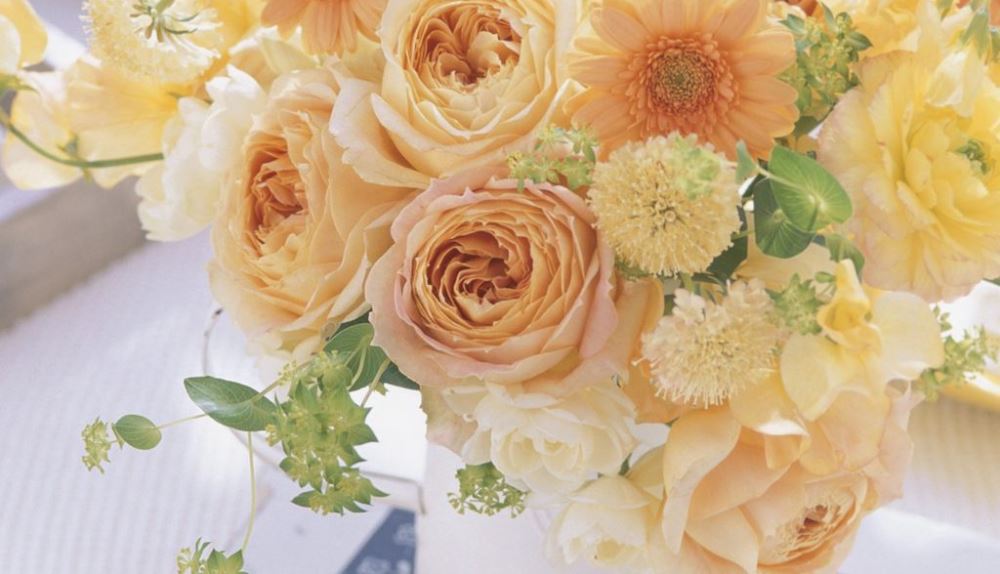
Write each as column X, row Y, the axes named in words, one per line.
column 682, row 80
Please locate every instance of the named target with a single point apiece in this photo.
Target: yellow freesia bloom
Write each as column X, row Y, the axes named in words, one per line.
column 869, row 339
column 22, row 36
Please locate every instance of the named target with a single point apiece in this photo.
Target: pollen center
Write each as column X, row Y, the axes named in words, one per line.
column 681, row 81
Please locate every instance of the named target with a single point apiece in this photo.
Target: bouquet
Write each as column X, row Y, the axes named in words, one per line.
column 567, row 224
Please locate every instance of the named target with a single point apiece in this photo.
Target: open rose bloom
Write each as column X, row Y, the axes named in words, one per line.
column 569, row 226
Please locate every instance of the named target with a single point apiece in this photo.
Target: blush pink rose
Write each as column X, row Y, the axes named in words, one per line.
column 489, row 283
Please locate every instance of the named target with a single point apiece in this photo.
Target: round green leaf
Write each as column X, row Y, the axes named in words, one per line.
column 231, row 404
column 138, row 432
column 810, row 197
column 775, row 234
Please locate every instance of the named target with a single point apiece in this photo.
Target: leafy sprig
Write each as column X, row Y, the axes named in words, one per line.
column 965, row 357
column 96, row 445
column 198, row 560
column 798, row 303
column 561, row 157
column 483, row 489
column 320, row 428
column 826, row 50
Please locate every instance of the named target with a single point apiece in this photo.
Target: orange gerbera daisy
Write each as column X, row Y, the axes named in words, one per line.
column 704, row 67
column 328, row 26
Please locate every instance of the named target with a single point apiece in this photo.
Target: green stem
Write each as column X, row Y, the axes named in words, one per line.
column 375, row 381
column 253, row 494
column 72, row 162
column 181, row 421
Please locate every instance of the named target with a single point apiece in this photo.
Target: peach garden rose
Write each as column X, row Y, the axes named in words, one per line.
column 466, row 83
column 298, row 231
column 489, row 283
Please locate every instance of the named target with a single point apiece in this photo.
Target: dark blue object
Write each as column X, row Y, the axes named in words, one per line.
column 391, row 550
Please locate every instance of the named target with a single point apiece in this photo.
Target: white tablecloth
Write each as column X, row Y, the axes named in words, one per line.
column 124, row 341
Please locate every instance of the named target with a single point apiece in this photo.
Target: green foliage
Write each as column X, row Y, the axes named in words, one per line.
column 774, row 233
column 964, row 358
column 726, row 263
column 746, row 165
column 826, row 50
column 231, row 404
column 195, row 561
column 368, row 362
column 561, row 157
column 806, row 192
column 797, row 305
column 842, row 248
column 483, row 489
column 96, row 445
column 319, row 428
column 138, row 432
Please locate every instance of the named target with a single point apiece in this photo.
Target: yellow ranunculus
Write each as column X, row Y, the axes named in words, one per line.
column 869, row 339
column 916, row 145
column 22, row 36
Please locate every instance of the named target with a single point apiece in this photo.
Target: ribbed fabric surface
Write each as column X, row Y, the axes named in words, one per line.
column 955, row 476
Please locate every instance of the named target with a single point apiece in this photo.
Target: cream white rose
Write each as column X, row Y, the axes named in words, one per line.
column 608, row 523
column 549, row 445
column 181, row 196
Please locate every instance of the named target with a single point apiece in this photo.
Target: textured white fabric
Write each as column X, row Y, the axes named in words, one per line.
column 123, row 343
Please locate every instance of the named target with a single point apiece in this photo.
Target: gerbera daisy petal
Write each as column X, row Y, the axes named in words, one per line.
column 686, row 66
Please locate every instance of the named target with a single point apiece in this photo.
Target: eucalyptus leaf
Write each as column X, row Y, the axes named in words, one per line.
column 775, row 234
column 138, row 432
column 810, row 197
column 231, row 404
column 367, row 369
column 394, row 377
column 350, row 340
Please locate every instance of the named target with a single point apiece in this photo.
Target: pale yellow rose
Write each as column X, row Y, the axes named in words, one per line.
column 916, row 146
column 728, row 510
column 465, row 84
column 869, row 339
column 22, row 36
column 486, row 282
column 298, row 231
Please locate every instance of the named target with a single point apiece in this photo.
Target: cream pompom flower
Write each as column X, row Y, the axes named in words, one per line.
column 172, row 42
column 705, row 352
column 328, row 26
column 667, row 205
column 705, row 67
